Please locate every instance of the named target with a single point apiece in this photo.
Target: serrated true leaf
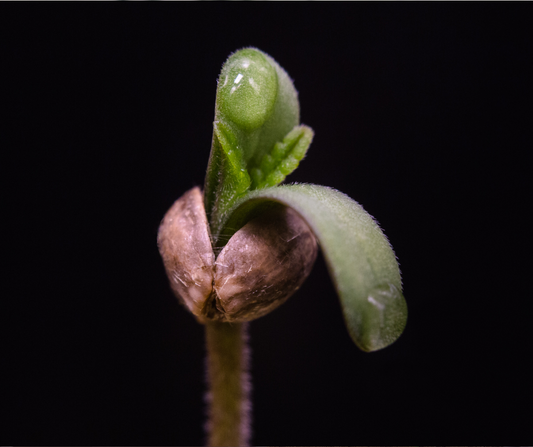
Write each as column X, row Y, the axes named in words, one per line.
column 256, row 108
column 283, row 159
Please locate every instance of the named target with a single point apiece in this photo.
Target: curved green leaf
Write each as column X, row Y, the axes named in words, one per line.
column 359, row 257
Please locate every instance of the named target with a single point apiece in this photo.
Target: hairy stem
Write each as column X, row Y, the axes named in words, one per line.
column 228, row 396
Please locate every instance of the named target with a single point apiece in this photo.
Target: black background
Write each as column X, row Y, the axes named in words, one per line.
column 421, row 113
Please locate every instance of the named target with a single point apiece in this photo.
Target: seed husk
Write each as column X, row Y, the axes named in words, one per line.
column 260, row 267
column 185, row 246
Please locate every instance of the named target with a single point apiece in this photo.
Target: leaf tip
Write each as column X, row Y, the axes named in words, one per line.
column 380, row 320
column 247, row 88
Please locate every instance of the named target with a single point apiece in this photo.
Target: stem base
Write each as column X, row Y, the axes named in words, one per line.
column 228, row 380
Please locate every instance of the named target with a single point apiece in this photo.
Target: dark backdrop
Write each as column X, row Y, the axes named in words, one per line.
column 421, row 114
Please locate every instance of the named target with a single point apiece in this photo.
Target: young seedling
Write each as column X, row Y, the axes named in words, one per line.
column 242, row 247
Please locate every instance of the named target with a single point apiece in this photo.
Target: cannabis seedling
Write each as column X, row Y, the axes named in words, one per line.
column 240, row 249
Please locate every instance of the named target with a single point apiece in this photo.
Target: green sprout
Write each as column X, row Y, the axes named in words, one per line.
column 238, row 250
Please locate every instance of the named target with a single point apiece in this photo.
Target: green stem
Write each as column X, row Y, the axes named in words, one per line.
column 228, row 396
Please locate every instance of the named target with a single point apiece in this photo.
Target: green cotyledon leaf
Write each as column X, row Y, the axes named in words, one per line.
column 257, row 141
column 360, row 260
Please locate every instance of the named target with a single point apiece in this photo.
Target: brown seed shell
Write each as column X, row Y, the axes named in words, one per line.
column 263, row 264
column 260, row 267
column 185, row 247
